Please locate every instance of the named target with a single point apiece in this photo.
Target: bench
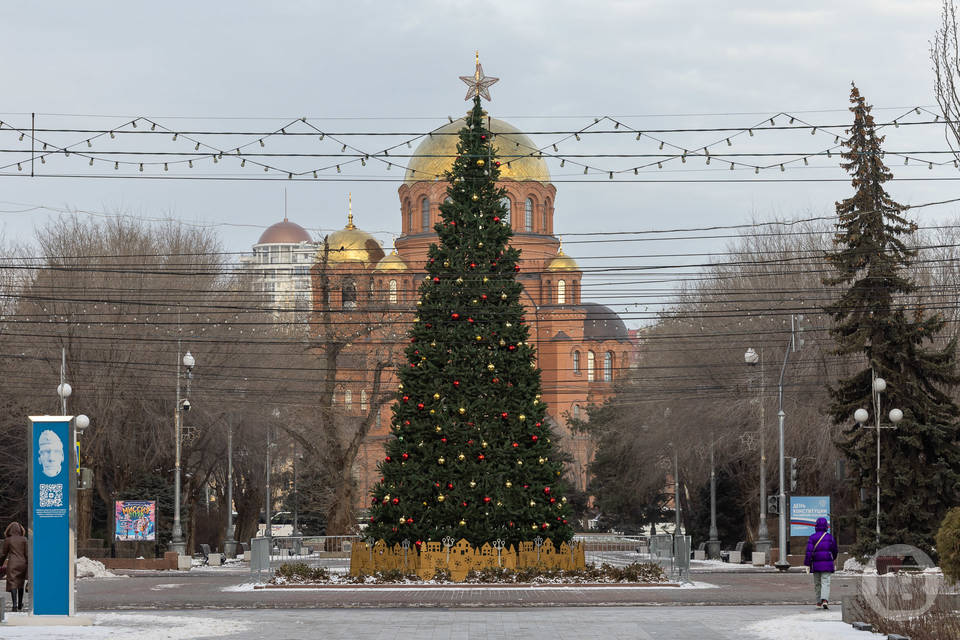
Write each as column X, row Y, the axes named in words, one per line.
column 700, row 553
column 736, row 556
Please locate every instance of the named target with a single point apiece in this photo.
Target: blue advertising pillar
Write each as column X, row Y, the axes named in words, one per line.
column 51, row 514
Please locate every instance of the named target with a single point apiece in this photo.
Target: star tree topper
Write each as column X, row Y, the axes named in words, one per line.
column 479, row 84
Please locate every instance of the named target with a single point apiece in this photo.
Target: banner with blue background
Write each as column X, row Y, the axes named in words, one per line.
column 804, row 511
column 52, row 478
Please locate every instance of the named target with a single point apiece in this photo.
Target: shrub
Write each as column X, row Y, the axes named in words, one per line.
column 301, row 572
column 948, row 545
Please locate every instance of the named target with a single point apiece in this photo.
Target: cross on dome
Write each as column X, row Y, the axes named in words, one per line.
column 479, row 84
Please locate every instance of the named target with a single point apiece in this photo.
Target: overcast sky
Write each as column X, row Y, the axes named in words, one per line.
column 393, row 66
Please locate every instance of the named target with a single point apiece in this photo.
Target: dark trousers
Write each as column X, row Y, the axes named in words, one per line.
column 17, row 597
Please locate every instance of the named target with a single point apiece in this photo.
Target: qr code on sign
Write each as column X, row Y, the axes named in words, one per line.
column 51, row 495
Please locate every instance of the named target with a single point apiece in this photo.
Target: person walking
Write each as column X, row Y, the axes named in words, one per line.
column 821, row 555
column 13, row 551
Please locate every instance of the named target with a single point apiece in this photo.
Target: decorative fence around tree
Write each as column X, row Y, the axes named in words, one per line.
column 460, row 558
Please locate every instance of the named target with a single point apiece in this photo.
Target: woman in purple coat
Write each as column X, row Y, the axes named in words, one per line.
column 821, row 554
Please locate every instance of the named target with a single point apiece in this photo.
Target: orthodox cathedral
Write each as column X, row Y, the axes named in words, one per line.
column 581, row 346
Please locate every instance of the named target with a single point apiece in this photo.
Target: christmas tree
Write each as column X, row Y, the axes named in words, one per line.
column 472, row 454
column 920, row 471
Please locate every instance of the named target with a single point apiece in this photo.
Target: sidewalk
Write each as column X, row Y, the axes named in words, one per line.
column 627, row 623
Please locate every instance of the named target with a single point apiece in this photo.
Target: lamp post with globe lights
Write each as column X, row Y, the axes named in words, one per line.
column 177, row 543
column 879, row 385
column 752, row 358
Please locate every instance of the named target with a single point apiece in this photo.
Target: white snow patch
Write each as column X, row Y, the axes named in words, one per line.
column 809, row 626
column 853, row 565
column 244, row 586
column 87, row 568
column 172, row 585
column 117, row 626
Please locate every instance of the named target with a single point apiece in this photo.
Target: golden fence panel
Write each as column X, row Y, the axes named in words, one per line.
column 461, row 558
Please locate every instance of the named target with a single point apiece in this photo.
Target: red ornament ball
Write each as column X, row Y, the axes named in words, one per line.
column 545, row 489
column 486, row 499
column 534, row 437
column 405, row 456
column 436, row 279
column 516, row 267
column 394, row 529
column 387, row 459
column 456, row 383
column 512, row 347
column 483, row 296
column 504, row 415
column 480, row 457
column 395, row 501
column 371, row 519
column 470, row 320
column 516, row 444
column 455, row 316
column 409, row 520
column 405, row 398
column 496, row 218
column 420, row 406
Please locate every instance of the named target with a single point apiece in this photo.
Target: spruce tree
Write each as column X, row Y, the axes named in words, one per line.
column 472, row 454
column 877, row 318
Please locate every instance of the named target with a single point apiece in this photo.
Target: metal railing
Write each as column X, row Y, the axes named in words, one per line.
column 303, row 547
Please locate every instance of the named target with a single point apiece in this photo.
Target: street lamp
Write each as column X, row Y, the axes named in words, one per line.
column 177, row 543
column 713, row 544
column 753, row 358
column 861, row 416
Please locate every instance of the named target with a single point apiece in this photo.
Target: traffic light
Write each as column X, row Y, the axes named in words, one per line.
column 793, row 474
column 773, row 505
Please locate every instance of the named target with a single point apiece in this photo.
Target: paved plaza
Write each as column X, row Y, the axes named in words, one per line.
column 552, row 623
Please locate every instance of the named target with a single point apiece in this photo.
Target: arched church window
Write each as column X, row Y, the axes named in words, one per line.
column 393, row 292
column 363, row 400
column 608, row 366
column 576, row 412
column 561, row 292
column 528, row 215
column 425, row 214
column 408, row 216
column 348, row 399
column 576, row 362
column 505, row 202
column 546, row 216
column 591, row 361
column 349, row 295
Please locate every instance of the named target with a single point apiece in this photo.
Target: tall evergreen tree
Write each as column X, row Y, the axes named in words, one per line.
column 875, row 317
column 472, row 454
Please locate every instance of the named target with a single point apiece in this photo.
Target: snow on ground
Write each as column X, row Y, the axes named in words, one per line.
column 718, row 565
column 816, row 625
column 117, row 626
column 87, row 568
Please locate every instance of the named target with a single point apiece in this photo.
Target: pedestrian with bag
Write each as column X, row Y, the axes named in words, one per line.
column 13, row 552
column 821, row 554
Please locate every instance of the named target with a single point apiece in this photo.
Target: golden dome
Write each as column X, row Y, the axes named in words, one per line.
column 435, row 154
column 284, row 232
column 563, row 262
column 392, row 262
column 353, row 245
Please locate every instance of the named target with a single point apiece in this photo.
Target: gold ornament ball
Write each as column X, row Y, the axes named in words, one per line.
column 483, row 444
column 441, row 498
column 472, row 484
column 461, row 410
column 520, row 463
column 503, row 296
column 490, row 367
column 424, row 503
column 534, row 527
column 461, row 457
column 521, row 417
column 463, row 523
column 479, row 338
column 486, row 279
column 480, row 245
column 433, row 411
column 509, row 324
column 440, row 460
column 474, row 197
column 563, row 499
column 436, row 396
column 419, row 303
column 403, row 519
column 459, row 280
column 446, row 263
column 400, row 386
column 508, row 484
column 541, row 460
column 480, row 162
column 533, row 503
column 503, row 343
column 437, row 429
column 499, row 504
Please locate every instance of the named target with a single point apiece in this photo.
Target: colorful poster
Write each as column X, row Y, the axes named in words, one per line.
column 136, row 520
column 52, row 483
column 804, row 511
